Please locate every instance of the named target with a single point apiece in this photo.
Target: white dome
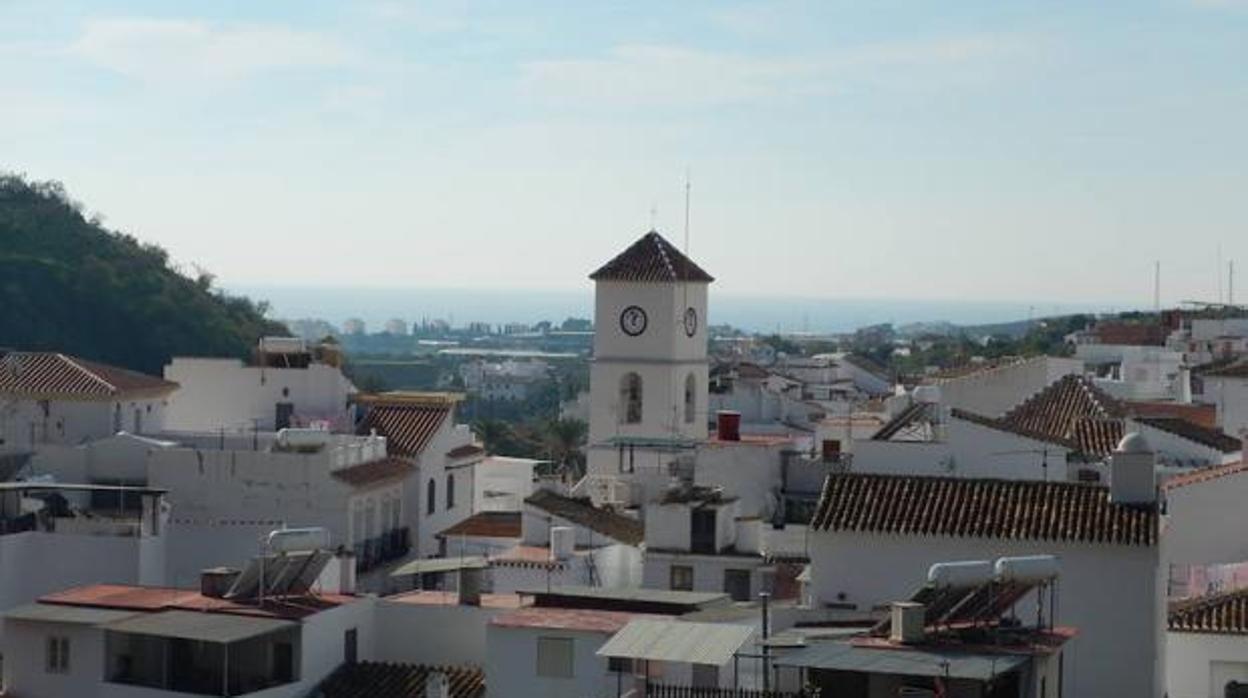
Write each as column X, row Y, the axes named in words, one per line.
column 1134, row 443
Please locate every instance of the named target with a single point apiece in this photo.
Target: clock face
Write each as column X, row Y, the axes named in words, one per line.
column 691, row 322
column 633, row 321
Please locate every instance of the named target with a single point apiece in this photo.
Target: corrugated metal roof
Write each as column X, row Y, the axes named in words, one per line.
column 74, row 615
column 205, row 627
column 843, row 656
column 677, row 641
column 440, row 564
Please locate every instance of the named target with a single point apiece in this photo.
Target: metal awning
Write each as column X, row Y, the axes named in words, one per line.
column 440, row 564
column 73, row 615
column 195, row 625
column 843, row 656
column 677, row 641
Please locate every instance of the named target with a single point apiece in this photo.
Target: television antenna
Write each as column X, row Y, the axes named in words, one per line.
column 1042, row 452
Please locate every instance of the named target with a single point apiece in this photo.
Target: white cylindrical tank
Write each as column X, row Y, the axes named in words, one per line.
column 960, row 574
column 289, row 540
column 303, row 437
column 927, row 394
column 1027, row 568
column 562, row 542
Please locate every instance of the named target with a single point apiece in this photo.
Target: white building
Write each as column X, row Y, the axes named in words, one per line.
column 54, row 536
column 53, row 399
column 1227, row 388
column 1203, row 340
column 992, row 389
column 503, row 380
column 1207, row 646
column 1131, row 372
column 874, row 532
column 289, row 383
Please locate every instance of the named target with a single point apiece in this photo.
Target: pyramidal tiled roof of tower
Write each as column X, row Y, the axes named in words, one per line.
column 651, row 259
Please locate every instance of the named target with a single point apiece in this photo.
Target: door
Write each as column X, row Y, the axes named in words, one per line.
column 737, row 584
column 702, row 531
column 350, row 646
column 285, row 410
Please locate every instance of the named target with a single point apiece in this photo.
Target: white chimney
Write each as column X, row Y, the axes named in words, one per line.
column 1133, row 471
column 908, row 621
column 437, row 685
column 562, row 543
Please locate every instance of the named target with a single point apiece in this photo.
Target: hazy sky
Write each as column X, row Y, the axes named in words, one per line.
column 1047, row 151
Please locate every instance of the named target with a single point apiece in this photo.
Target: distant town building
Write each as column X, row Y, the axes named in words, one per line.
column 353, row 326
column 396, row 326
column 503, row 380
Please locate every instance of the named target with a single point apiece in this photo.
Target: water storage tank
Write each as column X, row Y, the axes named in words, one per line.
column 1028, row 568
column 289, row 540
column 960, row 574
column 296, row 438
column 927, row 394
column 562, row 542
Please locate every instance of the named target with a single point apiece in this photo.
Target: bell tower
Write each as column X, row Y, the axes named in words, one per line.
column 648, row 381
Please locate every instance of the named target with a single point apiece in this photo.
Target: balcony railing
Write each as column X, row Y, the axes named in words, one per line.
column 390, row 545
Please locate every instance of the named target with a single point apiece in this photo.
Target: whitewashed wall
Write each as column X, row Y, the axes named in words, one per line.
column 1199, row 665
column 226, row 394
column 511, row 665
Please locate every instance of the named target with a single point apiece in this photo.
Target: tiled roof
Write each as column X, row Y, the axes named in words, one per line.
column 583, row 513
column 1213, row 438
column 487, row 524
column 1200, row 475
column 973, row 369
column 52, row 375
column 361, row 474
column 1071, row 411
column 1224, row 613
column 1194, row 412
column 139, row 598
column 408, row 427
column 385, row 680
column 585, row 619
column 465, row 451
column 1136, row 334
column 652, row 258
column 867, row 364
column 981, row 508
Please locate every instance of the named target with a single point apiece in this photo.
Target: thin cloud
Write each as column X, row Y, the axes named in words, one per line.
column 176, row 51
column 649, row 75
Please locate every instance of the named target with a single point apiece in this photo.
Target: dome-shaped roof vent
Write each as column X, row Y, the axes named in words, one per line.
column 1134, row 443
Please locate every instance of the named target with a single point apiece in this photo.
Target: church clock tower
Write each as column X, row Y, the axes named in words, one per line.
column 648, row 381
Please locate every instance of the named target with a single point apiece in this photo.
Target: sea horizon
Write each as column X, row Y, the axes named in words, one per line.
column 755, row 313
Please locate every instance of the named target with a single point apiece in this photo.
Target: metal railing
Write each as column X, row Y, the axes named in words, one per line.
column 379, row 550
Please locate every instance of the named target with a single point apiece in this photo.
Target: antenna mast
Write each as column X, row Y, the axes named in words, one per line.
column 687, row 188
column 1157, row 286
column 1230, row 282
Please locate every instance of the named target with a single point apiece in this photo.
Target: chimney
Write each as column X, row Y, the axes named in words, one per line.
column 215, row 582
column 728, row 425
column 437, row 685
column 1133, row 471
column 908, row 619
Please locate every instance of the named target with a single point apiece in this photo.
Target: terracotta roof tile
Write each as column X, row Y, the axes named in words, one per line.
column 583, row 513
column 408, row 427
column 372, row 472
column 52, row 375
column 651, row 259
column 377, row 679
column 1195, row 412
column 589, row 620
column 1224, row 613
column 1200, row 475
column 1070, row 411
column 487, row 524
column 139, row 598
column 1236, row 370
column 981, row 508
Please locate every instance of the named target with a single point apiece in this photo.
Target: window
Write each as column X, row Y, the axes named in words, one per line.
column 630, row 399
column 57, row 660
column 681, row 578
column 691, row 398
column 619, row 665
column 450, row 491
column 431, row 497
column 554, row 657
column 351, row 646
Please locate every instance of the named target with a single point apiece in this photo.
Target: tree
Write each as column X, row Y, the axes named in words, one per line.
column 563, row 441
column 495, row 435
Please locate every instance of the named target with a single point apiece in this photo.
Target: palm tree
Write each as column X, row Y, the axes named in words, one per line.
column 495, row 434
column 564, row 440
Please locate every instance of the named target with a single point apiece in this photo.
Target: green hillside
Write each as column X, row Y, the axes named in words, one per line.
column 69, row 284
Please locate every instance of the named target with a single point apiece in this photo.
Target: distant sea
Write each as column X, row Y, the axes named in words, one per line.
column 755, row 313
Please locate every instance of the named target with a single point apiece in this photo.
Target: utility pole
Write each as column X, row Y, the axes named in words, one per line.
column 766, row 597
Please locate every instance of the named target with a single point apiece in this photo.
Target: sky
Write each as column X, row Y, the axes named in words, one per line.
column 1048, row 151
